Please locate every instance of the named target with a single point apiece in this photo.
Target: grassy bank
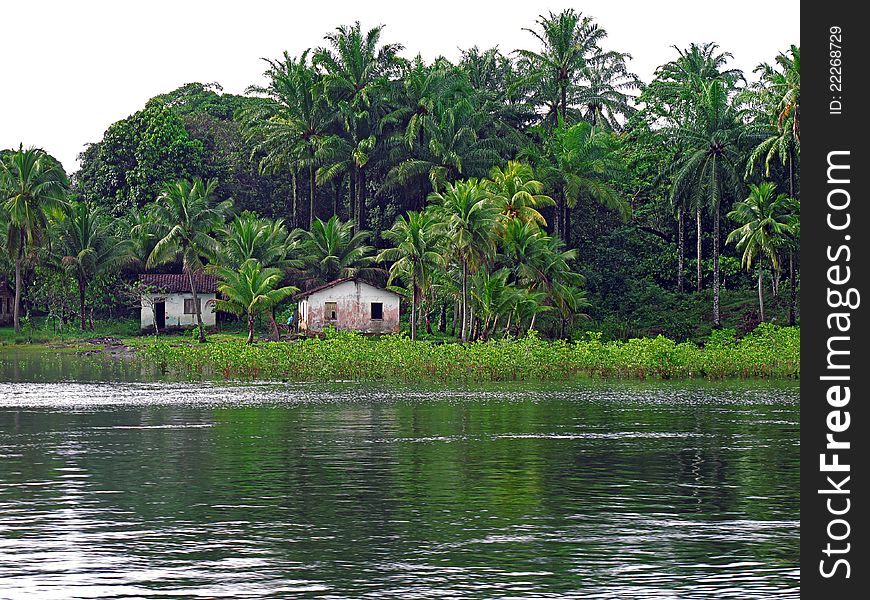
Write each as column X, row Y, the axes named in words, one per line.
column 769, row 351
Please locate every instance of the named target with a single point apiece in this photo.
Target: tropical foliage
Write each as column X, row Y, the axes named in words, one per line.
column 544, row 188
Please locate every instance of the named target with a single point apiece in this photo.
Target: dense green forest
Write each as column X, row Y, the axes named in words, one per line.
column 545, row 188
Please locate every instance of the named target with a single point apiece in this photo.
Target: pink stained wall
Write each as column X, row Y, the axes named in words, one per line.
column 353, row 307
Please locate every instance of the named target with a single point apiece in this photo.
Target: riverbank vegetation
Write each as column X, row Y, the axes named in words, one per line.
column 769, row 351
column 546, row 191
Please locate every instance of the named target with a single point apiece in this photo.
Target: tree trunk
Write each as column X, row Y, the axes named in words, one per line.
column 566, row 224
column 196, row 306
column 82, row 303
column 442, row 317
column 698, row 218
column 361, row 203
column 792, row 308
column 294, row 218
column 532, row 323
column 311, row 189
column 274, row 323
column 16, row 311
column 716, row 320
column 413, row 311
column 351, row 194
column 336, row 199
column 250, row 339
column 681, row 248
column 464, row 311
column 760, row 292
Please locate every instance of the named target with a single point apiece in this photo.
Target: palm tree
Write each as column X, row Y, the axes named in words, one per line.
column 585, row 164
column 776, row 103
column 32, row 185
column 469, row 217
column 707, row 172
column 251, row 290
column 332, row 250
column 517, row 194
column 356, row 82
column 673, row 96
column 87, row 246
column 248, row 236
column 289, row 129
column 604, row 98
column 186, row 212
column 765, row 229
column 452, row 149
column 417, row 253
column 569, row 42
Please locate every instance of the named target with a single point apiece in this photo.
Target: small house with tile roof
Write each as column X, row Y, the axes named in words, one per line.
column 348, row 304
column 167, row 301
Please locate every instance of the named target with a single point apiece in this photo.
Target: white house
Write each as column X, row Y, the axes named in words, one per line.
column 349, row 304
column 167, row 299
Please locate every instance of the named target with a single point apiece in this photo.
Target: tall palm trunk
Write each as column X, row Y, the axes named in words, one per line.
column 681, row 248
column 359, row 222
column 463, row 316
column 566, row 224
column 275, row 331
column 351, row 194
column 698, row 219
column 760, row 291
column 792, row 306
column 336, row 199
column 413, row 311
column 716, row 320
column 82, row 290
column 311, row 188
column 250, row 339
column 16, row 311
column 294, row 216
column 196, row 306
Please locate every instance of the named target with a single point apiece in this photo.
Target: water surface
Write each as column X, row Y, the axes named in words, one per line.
column 138, row 489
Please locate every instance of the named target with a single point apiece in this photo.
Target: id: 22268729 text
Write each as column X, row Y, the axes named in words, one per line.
column 835, row 63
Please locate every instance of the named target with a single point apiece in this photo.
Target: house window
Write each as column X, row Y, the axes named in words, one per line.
column 330, row 311
column 189, row 307
column 377, row 311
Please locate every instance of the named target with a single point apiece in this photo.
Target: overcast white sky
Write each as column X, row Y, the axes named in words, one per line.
column 74, row 68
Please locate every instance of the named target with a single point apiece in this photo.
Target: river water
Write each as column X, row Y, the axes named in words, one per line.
column 113, row 485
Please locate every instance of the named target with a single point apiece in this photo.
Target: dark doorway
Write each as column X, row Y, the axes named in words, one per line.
column 160, row 315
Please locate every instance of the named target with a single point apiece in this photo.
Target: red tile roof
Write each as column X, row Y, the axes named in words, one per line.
column 179, row 282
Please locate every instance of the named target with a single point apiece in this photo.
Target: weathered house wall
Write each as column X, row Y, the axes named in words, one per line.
column 175, row 316
column 353, row 300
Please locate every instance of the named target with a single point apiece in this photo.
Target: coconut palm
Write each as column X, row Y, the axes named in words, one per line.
column 356, row 69
column 32, row 185
column 469, row 217
column 452, row 149
column 248, row 236
column 517, row 194
column 187, row 213
column 87, row 246
column 605, row 97
column 765, row 230
column 673, row 96
column 251, row 290
column 291, row 126
column 584, row 164
column 332, row 250
column 418, row 253
column 707, row 171
column 569, row 42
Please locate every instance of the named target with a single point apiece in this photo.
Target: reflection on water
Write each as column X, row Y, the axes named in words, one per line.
column 177, row 490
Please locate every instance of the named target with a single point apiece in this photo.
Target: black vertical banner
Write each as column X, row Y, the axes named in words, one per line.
column 835, row 177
